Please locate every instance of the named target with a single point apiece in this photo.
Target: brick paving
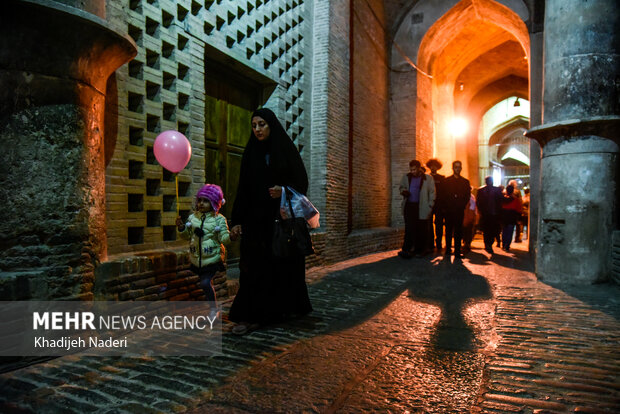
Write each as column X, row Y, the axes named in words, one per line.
column 387, row 335
column 559, row 348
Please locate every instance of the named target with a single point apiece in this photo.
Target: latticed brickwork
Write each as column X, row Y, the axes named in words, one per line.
column 163, row 88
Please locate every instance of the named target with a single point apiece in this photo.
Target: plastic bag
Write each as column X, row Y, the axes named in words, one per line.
column 302, row 207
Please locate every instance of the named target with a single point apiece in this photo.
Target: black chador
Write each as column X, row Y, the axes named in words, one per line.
column 270, row 288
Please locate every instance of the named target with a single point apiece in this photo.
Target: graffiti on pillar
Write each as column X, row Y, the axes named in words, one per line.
column 553, row 231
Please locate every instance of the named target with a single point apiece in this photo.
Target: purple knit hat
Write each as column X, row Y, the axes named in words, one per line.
column 214, row 194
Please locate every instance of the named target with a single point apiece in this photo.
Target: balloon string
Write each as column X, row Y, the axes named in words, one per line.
column 176, row 179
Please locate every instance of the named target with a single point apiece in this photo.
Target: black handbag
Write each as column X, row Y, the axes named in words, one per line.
column 291, row 237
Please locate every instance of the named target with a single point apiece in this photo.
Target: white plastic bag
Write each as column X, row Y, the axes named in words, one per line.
column 302, row 207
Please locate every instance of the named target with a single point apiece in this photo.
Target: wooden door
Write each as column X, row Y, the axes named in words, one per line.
column 227, row 130
column 230, row 99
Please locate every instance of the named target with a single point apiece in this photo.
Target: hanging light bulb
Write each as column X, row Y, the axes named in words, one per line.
column 517, row 103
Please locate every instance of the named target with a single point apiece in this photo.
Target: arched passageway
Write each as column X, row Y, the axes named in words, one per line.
column 470, row 55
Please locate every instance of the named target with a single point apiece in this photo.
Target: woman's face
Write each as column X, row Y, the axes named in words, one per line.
column 260, row 128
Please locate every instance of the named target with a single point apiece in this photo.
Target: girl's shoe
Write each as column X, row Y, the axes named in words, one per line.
column 214, row 314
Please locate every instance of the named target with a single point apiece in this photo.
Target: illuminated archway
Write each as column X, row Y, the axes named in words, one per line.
column 503, row 150
column 476, row 54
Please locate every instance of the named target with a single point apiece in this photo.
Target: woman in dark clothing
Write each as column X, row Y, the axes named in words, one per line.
column 270, row 289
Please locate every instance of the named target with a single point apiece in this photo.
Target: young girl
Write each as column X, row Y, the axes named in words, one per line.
column 208, row 232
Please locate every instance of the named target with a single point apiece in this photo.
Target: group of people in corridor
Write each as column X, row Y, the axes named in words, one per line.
column 432, row 202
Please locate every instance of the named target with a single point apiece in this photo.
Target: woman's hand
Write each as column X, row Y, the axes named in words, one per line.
column 275, row 191
column 235, row 232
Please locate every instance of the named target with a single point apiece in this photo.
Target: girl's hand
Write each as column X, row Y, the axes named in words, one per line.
column 275, row 191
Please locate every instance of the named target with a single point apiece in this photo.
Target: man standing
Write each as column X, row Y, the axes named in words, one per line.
column 418, row 191
column 489, row 200
column 437, row 216
column 455, row 195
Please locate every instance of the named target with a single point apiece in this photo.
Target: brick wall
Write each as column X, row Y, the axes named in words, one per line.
column 161, row 275
column 304, row 47
column 362, row 242
column 403, row 132
column 330, row 133
column 163, row 88
column 371, row 144
column 335, row 68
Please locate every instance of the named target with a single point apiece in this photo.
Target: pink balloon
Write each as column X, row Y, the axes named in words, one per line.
column 172, row 150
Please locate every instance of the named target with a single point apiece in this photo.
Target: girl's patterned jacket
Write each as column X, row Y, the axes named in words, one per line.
column 209, row 248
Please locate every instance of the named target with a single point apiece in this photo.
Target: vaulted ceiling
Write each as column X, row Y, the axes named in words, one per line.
column 479, row 48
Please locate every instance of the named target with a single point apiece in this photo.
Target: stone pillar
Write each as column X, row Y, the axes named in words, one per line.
column 55, row 59
column 579, row 137
column 536, row 107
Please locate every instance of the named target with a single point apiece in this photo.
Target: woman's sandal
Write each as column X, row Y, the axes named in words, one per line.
column 244, row 328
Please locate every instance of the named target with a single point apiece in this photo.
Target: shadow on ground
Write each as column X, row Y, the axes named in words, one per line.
column 451, row 287
column 359, row 292
column 604, row 297
column 369, row 333
column 342, row 299
column 516, row 259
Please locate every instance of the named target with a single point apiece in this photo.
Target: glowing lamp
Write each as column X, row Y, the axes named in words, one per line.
column 458, row 127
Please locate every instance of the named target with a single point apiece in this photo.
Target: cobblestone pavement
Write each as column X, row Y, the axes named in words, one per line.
column 386, row 335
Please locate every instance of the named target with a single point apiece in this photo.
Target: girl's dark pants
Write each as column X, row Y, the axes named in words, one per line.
column 206, row 274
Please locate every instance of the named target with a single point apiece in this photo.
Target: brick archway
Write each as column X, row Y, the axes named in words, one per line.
column 479, row 44
column 476, row 53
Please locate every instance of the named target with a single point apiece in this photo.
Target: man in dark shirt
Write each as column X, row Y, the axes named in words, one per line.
column 455, row 194
column 489, row 202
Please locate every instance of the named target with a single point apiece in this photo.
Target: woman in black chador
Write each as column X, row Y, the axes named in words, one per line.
column 270, row 289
